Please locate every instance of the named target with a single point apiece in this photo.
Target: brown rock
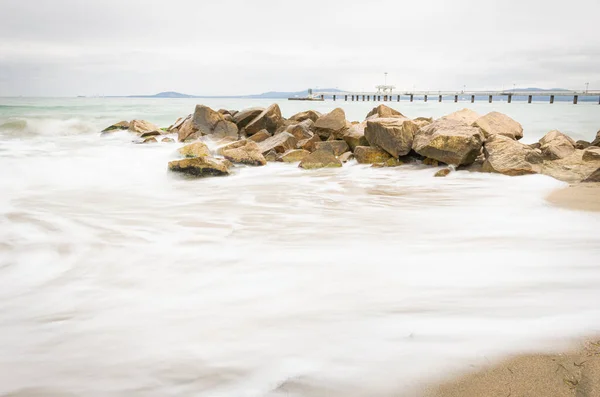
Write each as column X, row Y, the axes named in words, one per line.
column 370, row 155
column 141, row 126
column 382, row 111
column 596, row 142
column 186, row 131
column 270, row 119
column 197, row 149
column 178, row 123
column 432, row 162
column 333, row 123
column 225, row 128
column 244, row 117
column 355, row 135
column 394, row 135
column 121, row 125
column 293, row 156
column 168, row 140
column 205, row 119
column 443, row 172
column 495, row 123
column 271, row 155
column 150, row 133
column 536, row 145
column 556, row 145
column 224, row 111
column 506, row 156
column 320, row 159
column 449, row 141
column 307, row 115
column 555, row 134
column 300, row 131
column 247, row 152
column 391, row 162
column 582, row 144
column 594, row 176
column 281, row 143
column 335, row 147
column 466, row 116
column 201, row 166
column 423, row 121
column 309, row 144
column 345, row 157
column 571, row 168
column 149, row 140
column 592, row 153
column 260, row 136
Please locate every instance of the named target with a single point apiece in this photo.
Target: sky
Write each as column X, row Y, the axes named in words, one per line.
column 238, row 47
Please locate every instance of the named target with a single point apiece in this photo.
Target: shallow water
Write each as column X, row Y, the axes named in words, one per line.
column 119, row 279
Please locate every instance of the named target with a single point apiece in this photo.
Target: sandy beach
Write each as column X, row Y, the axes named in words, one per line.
column 581, row 197
column 574, row 373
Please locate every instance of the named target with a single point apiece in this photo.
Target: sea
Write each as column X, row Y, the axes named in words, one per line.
column 118, row 278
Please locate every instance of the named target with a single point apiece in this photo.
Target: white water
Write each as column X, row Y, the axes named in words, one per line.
column 119, row 279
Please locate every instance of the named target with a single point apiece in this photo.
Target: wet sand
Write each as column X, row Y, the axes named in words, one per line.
column 575, row 373
column 581, row 197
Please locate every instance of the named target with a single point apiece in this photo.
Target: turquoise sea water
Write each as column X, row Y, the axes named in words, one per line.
column 120, row 279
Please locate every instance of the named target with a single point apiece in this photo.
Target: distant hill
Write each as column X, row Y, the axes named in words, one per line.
column 280, row 94
column 167, row 94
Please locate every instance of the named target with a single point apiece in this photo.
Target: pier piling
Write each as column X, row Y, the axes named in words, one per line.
column 440, row 99
column 455, row 98
column 490, row 100
column 411, row 97
column 472, row 98
column 575, row 99
column 529, row 98
column 551, row 98
column 425, row 98
column 509, row 98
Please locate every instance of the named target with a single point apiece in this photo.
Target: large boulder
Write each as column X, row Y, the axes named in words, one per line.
column 206, row 121
column 594, row 176
column 466, row 116
column 178, row 123
column 495, row 123
column 423, row 121
column 332, row 123
column 592, row 153
column 320, row 159
column 141, row 126
column 269, row 119
column 244, row 117
column 449, row 141
column 260, row 136
column 355, row 135
column 309, row 143
column 383, row 111
column 556, row 145
column 596, row 142
column 301, row 130
column 307, row 115
column 244, row 152
column 196, row 149
column 281, row 143
column 370, row 155
column 394, row 135
column 335, row 147
column 121, row 125
column 509, row 157
column 571, row 168
column 581, row 144
column 201, row 166
column 293, row 156
column 186, row 131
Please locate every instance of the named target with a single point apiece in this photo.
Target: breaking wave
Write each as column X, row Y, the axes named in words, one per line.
column 24, row 127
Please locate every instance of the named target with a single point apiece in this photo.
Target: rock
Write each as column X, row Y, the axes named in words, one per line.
column 307, row 115
column 149, row 140
column 186, row 131
column 391, row 162
column 293, row 156
column 228, row 117
column 206, row 121
column 141, row 126
column 382, row 111
column 335, row 147
column 224, row 112
column 506, row 156
column 535, row 145
column 466, row 116
column 271, row 156
column 370, row 155
column 394, row 135
column 225, row 128
column 554, row 134
column 168, row 140
column 592, row 153
column 300, row 131
column 423, row 121
column 320, row 159
column 121, row 125
column 571, row 168
column 556, row 145
column 178, row 123
column 449, row 141
column 201, row 166
column 594, row 177
column 244, row 117
column 309, row 144
column 246, row 152
column 442, row 173
column 260, row 136
column 281, row 143
column 197, row 149
column 150, row 133
column 355, row 135
column 333, row 123
column 495, row 123
column 582, row 144
column 345, row 157
column 431, row 162
column 270, row 119
column 596, row 142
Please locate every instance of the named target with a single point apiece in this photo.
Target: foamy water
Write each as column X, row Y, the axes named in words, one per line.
column 120, row 279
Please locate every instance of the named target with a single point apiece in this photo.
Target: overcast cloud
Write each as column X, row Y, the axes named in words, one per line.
column 229, row 47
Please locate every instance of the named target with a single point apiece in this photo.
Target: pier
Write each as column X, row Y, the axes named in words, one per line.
column 389, row 96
